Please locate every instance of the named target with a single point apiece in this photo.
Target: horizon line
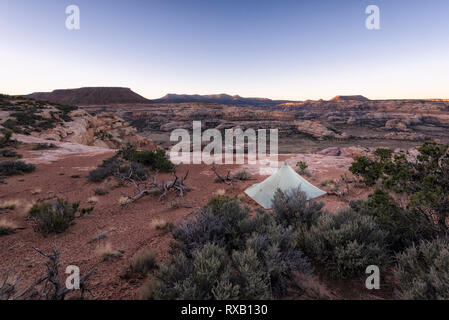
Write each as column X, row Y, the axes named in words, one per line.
column 237, row 95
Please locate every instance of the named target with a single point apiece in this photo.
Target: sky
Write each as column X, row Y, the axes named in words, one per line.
column 284, row 49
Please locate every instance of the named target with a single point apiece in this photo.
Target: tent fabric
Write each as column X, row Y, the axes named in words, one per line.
column 285, row 179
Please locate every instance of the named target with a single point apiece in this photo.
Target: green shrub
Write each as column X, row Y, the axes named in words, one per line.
column 422, row 271
column 366, row 168
column 6, row 140
column 202, row 277
column 135, row 170
column 53, row 217
column 345, row 243
column 143, row 262
column 424, row 179
column 292, row 208
column 216, row 203
column 155, row 160
column 108, row 168
column 9, row 154
column 116, row 165
column 404, row 227
column 44, row 146
column 10, row 168
column 226, row 254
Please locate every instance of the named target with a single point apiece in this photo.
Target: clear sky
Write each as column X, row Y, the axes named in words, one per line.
column 276, row 49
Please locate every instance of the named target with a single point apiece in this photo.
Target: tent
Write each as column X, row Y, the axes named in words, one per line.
column 285, row 179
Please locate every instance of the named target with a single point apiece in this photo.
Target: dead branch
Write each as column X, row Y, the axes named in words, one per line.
column 149, row 187
column 7, row 287
column 227, row 179
column 49, row 287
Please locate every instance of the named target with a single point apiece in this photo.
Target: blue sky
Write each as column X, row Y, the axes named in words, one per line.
column 276, row 49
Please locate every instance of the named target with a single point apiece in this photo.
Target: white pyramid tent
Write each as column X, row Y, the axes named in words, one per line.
column 285, row 179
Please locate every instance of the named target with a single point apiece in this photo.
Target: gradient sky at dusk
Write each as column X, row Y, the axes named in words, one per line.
column 276, row 49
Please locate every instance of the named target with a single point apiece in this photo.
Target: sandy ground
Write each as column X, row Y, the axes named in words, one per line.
column 57, row 175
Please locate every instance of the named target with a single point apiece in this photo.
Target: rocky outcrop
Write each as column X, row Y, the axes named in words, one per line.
column 105, row 130
column 317, row 130
column 343, row 118
column 90, row 96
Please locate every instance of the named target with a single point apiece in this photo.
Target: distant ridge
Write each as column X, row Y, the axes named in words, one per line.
column 90, row 96
column 225, row 99
column 350, row 98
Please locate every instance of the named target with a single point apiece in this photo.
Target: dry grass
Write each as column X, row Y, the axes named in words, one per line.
column 10, row 204
column 105, row 252
column 327, row 182
column 26, row 208
column 124, row 201
column 100, row 192
column 220, row 192
column 143, row 262
column 7, row 227
column 241, row 197
column 173, row 204
column 147, row 290
column 159, row 224
column 36, row 191
column 92, row 200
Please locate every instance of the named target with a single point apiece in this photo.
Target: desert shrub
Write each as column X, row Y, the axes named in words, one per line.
column 155, row 160
column 198, row 278
column 404, row 227
column 99, row 174
column 226, row 254
column 159, row 224
column 301, row 165
column 114, row 166
column 109, row 167
column 422, row 271
column 135, row 170
column 53, row 217
column 87, row 210
column 216, row 203
column 100, row 192
column 10, row 168
column 6, row 140
column 345, row 243
column 226, row 224
column 9, row 154
column 424, row 179
column 65, row 109
column 44, row 146
column 241, row 175
column 253, row 282
column 143, row 262
column 293, row 208
column 301, row 168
